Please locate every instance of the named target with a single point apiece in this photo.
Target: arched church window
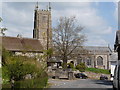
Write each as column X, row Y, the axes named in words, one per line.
column 99, row 60
column 88, row 61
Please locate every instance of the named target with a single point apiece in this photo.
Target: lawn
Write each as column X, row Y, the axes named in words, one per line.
column 96, row 70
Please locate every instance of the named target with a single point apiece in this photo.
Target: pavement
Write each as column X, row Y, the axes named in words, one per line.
column 81, row 83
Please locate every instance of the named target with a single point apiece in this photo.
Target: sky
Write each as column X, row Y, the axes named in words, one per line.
column 99, row 19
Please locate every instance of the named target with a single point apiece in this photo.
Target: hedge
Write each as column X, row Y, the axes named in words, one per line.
column 30, row 83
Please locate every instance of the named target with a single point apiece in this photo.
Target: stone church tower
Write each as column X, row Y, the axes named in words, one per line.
column 42, row 26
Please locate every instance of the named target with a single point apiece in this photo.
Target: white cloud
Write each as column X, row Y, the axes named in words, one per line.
column 87, row 16
column 19, row 19
column 96, row 41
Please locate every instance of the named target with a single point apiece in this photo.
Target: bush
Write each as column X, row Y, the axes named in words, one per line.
column 39, row 82
column 70, row 65
column 18, row 69
column 6, row 55
column 81, row 67
column 32, row 83
column 5, row 75
column 96, row 70
column 6, row 86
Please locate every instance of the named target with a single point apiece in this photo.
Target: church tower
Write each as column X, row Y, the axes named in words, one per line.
column 42, row 26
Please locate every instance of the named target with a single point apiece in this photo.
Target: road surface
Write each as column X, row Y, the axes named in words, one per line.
column 81, row 83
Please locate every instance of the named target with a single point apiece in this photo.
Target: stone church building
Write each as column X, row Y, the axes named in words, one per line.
column 97, row 57
column 42, row 26
column 42, row 39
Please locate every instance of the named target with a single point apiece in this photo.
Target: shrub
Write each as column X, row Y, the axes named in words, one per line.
column 5, row 75
column 6, row 86
column 15, row 70
column 6, row 55
column 81, row 67
column 18, row 69
column 70, row 65
column 39, row 82
column 32, row 83
column 20, row 66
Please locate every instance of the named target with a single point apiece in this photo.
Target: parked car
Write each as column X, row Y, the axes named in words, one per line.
column 103, row 77
column 81, row 75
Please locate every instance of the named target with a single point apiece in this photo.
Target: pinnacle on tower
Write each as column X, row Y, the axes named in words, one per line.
column 49, row 6
column 36, row 7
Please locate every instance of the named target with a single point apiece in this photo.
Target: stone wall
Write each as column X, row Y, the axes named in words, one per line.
column 61, row 74
column 29, row 54
column 92, row 75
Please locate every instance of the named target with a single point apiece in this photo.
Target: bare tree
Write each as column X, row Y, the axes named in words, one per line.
column 67, row 36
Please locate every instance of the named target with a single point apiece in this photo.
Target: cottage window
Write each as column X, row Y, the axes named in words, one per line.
column 99, row 60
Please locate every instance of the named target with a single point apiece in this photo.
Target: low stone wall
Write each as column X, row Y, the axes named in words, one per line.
column 92, row 75
column 61, row 74
column 65, row 74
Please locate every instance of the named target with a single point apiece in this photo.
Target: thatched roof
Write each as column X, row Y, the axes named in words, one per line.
column 21, row 44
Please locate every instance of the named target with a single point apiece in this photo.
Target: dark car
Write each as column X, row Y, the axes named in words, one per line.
column 103, row 77
column 81, row 75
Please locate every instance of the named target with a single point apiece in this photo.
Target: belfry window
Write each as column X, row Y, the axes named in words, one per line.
column 44, row 18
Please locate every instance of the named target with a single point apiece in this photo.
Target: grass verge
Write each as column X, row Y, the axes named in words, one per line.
column 96, row 70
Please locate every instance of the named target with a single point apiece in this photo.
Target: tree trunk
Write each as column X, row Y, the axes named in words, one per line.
column 65, row 62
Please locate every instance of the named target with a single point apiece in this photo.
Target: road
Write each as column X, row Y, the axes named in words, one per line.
column 81, row 83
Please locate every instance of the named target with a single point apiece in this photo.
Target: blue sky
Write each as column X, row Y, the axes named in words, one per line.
column 98, row 18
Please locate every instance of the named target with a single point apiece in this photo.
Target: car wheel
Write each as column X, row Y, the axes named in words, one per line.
column 80, row 77
column 114, row 88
